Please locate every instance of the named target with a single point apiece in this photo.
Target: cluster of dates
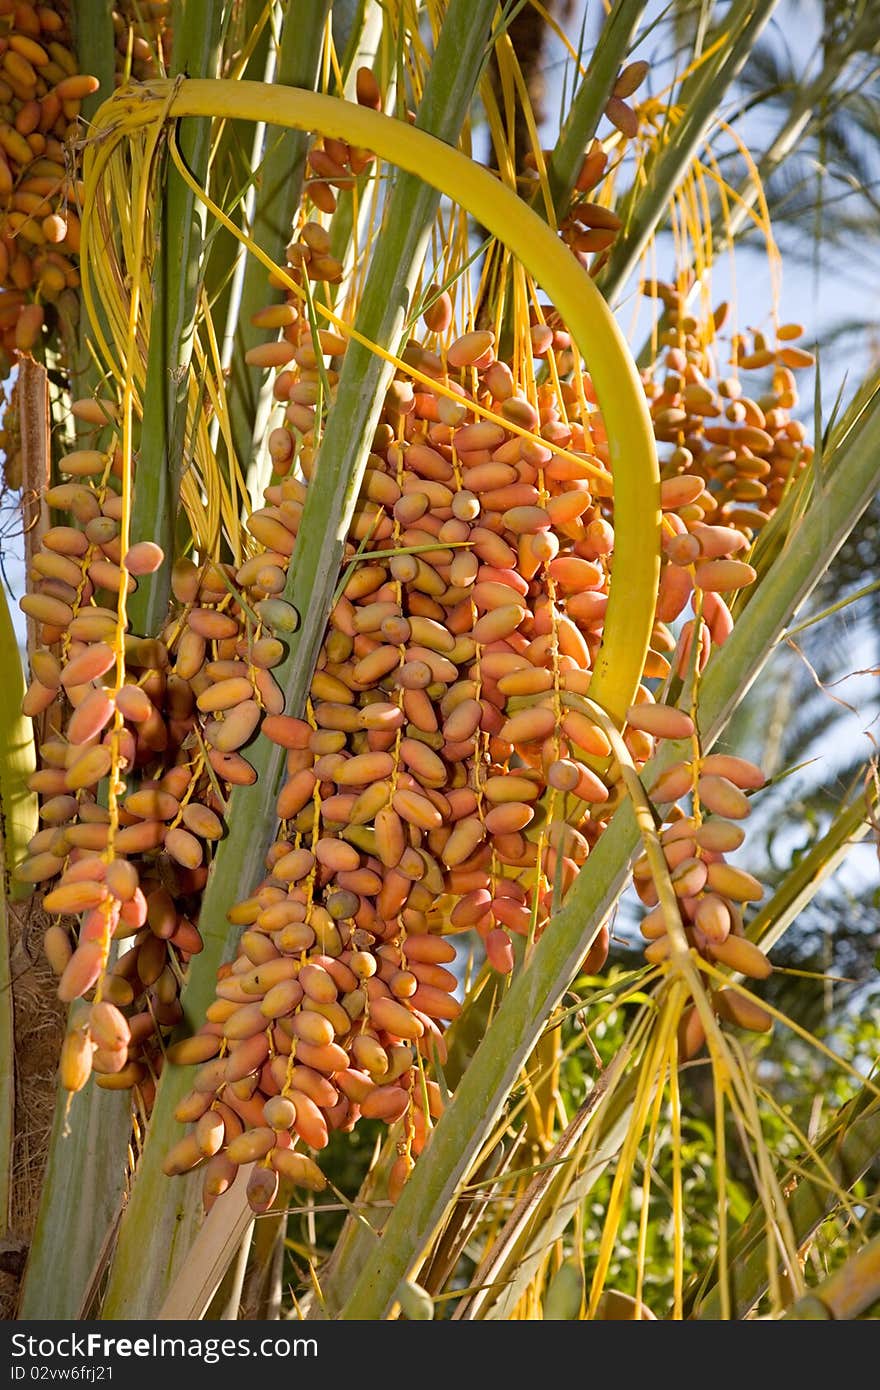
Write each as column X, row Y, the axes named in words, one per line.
column 441, row 778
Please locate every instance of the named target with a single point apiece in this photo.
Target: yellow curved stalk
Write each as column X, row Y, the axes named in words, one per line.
column 347, row 330
column 620, row 659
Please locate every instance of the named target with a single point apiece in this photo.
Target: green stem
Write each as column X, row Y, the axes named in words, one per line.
column 95, row 45
column 581, row 121
column 235, row 164
column 177, row 275
column 366, row 48
column 348, row 18
column 225, row 1304
column 833, row 608
column 279, row 187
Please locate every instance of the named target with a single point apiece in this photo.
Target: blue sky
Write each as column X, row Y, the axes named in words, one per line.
column 821, row 293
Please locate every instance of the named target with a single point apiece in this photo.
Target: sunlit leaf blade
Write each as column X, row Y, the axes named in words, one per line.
column 83, row 1188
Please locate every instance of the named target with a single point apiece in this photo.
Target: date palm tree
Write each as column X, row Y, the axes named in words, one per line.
column 407, row 530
